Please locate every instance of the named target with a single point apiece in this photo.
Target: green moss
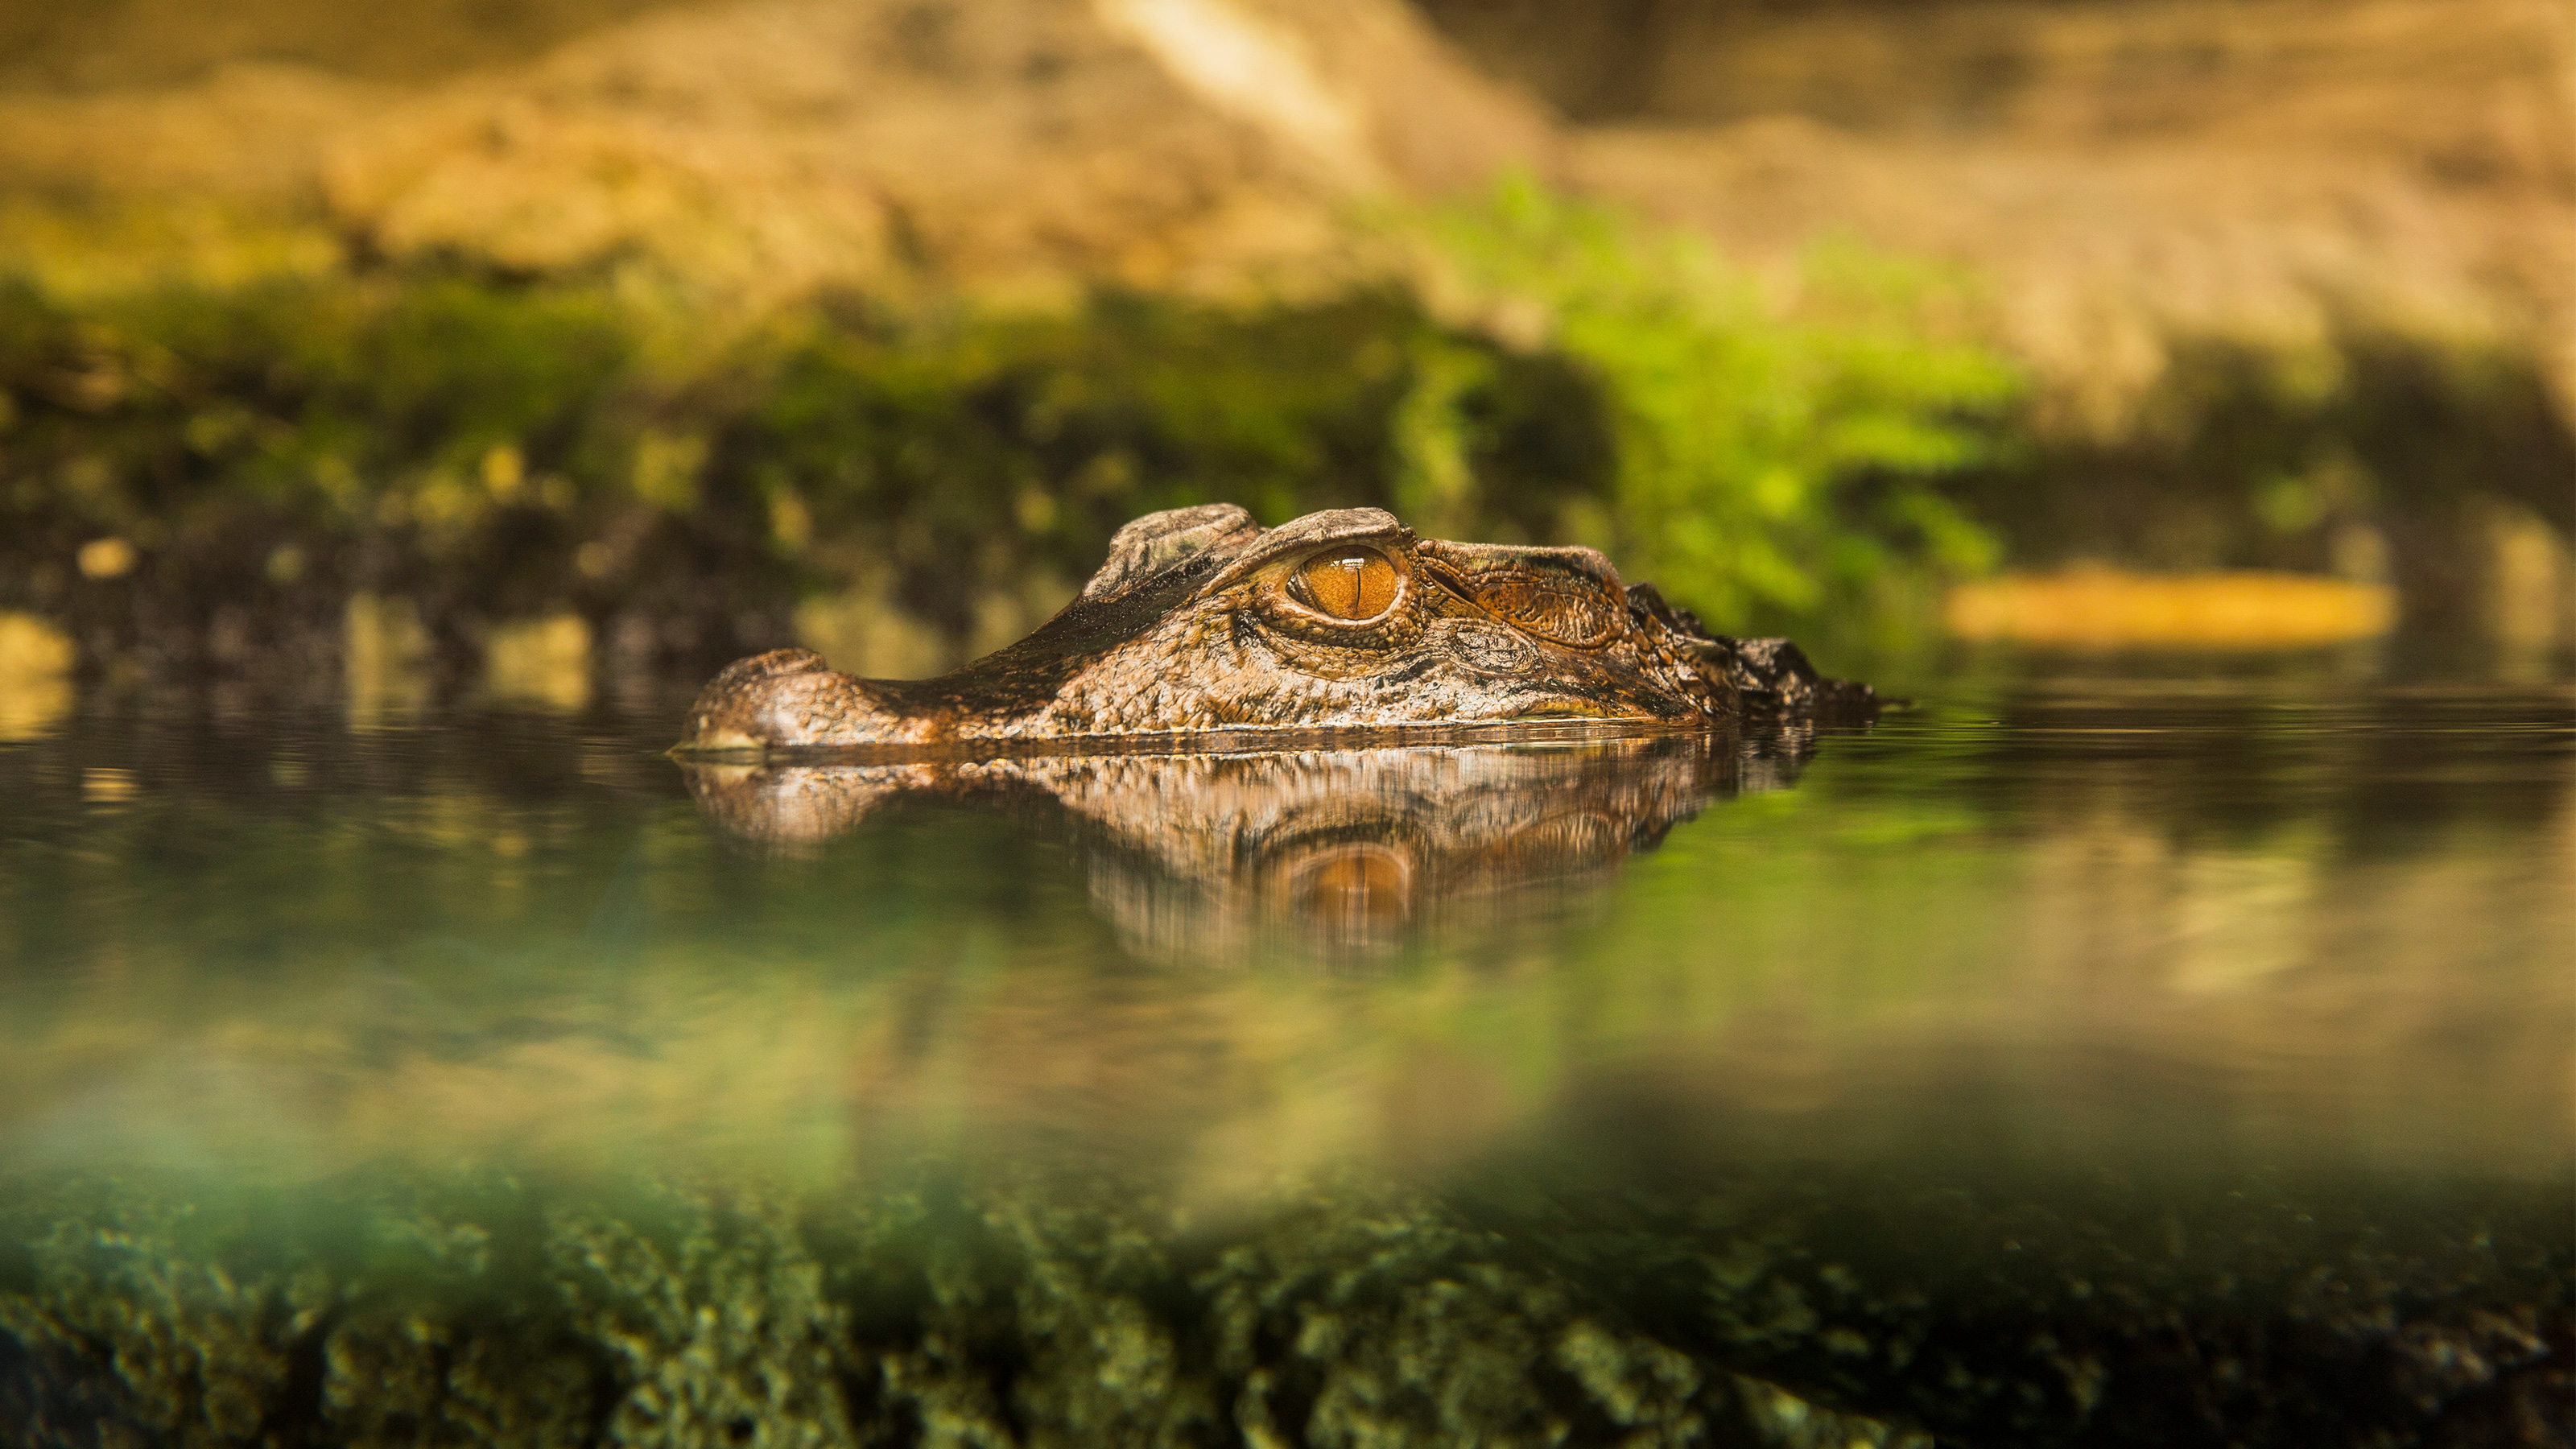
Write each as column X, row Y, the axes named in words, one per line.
column 965, row 453
column 1816, row 453
column 495, row 449
column 1775, row 463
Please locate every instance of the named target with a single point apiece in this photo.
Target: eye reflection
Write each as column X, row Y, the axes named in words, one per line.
column 1352, row 583
column 1358, row 892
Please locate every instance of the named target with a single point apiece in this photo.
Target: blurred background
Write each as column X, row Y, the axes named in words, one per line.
column 530, row 348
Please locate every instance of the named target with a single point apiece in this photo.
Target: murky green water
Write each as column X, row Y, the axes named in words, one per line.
column 2099, row 1058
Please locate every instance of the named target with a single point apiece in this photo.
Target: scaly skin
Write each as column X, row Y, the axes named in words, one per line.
column 1197, row 622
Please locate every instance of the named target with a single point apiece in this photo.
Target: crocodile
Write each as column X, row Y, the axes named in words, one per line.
column 1202, row 620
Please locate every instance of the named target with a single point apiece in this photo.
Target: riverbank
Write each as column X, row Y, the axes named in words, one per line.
column 666, row 338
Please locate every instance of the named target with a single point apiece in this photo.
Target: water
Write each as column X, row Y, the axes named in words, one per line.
column 2092, row 1057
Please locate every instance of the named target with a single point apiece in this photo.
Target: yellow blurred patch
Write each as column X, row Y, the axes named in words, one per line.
column 540, row 661
column 35, row 676
column 2101, row 609
column 385, row 651
column 106, row 558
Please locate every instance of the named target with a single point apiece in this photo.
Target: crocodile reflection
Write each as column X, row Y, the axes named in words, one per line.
column 1194, row 855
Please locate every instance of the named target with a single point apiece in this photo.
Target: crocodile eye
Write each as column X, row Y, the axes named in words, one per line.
column 1351, row 583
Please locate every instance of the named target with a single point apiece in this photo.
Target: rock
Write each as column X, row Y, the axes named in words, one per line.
column 2128, row 178
column 778, row 146
column 2125, row 176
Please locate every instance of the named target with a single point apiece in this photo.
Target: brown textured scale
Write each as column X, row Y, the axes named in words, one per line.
column 1203, row 620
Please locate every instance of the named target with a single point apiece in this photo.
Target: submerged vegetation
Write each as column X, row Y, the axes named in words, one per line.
column 196, row 476
column 1041, row 1313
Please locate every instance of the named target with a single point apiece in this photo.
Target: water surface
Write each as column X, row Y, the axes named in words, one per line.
column 2103, row 1008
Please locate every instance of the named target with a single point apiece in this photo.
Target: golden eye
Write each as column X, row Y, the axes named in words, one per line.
column 1352, row 583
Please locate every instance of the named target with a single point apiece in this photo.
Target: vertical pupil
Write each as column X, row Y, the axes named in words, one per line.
column 1346, row 587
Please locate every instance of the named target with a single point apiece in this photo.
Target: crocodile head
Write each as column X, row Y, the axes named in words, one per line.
column 1203, row 620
